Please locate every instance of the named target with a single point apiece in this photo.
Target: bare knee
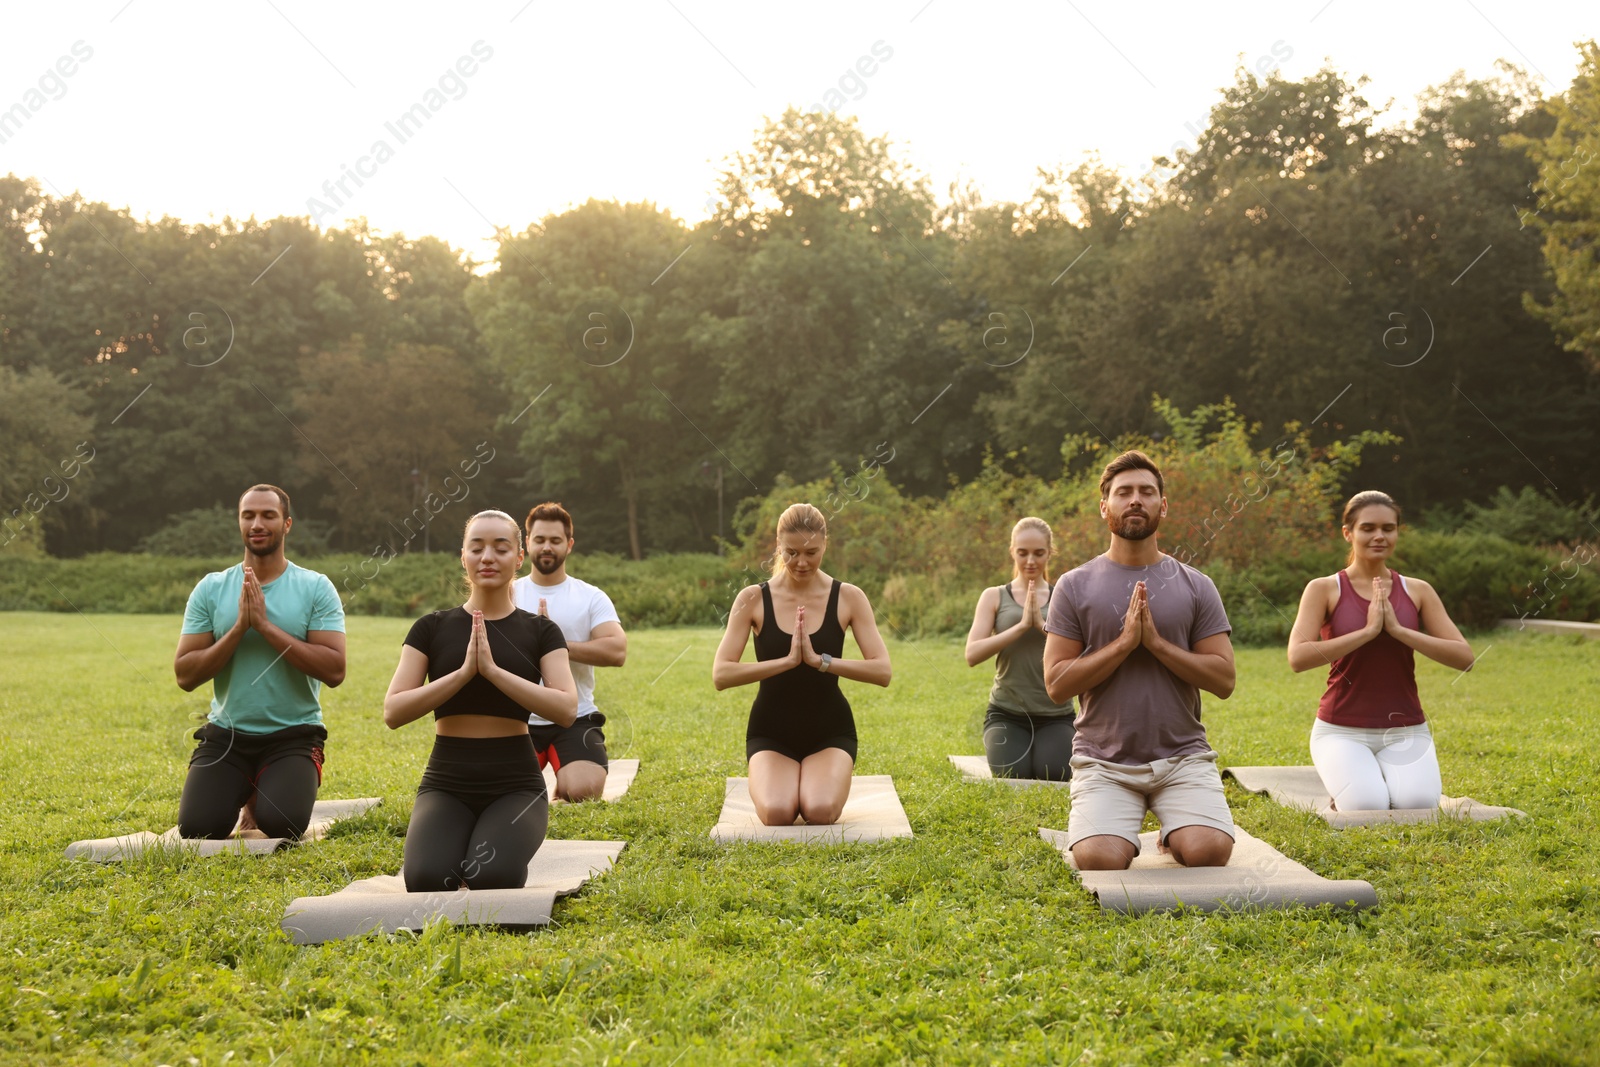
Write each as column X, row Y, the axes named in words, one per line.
column 822, row 814
column 777, row 814
column 1200, row 846
column 580, row 782
column 1103, row 853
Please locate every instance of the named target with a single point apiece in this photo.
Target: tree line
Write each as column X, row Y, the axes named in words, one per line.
column 1433, row 281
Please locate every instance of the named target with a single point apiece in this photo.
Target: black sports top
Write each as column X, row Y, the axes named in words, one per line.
column 801, row 705
column 517, row 643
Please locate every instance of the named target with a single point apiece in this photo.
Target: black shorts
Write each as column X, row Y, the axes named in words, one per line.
column 250, row 753
column 480, row 770
column 752, row 745
column 558, row 746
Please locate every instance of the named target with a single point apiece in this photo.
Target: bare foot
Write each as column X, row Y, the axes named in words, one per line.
column 247, row 828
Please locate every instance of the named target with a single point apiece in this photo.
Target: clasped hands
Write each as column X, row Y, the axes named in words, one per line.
column 1138, row 627
column 800, row 650
column 1380, row 611
column 252, row 603
column 479, row 659
column 1032, row 615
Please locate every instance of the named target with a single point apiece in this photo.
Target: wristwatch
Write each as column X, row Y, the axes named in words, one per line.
column 827, row 661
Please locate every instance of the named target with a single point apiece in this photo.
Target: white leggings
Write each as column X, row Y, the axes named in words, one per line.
column 1368, row 769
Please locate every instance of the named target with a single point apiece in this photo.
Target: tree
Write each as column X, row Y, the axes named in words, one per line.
column 405, row 435
column 827, row 338
column 45, row 439
column 586, row 320
column 1567, row 208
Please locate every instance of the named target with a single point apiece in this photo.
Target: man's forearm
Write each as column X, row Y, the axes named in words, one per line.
column 1082, row 674
column 1215, row 674
column 600, row 652
column 194, row 669
column 324, row 664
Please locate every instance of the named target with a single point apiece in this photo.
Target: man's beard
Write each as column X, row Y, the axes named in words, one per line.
column 547, row 564
column 265, row 550
column 1129, row 531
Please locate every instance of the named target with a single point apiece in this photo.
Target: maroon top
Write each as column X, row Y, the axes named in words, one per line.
column 1375, row 686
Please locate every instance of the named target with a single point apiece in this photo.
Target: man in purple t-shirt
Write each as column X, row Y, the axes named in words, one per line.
column 1136, row 635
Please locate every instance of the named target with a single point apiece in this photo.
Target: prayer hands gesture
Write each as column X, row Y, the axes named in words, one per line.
column 1380, row 612
column 477, row 648
column 1391, row 622
column 1138, row 628
column 252, row 602
column 1032, row 615
column 800, row 649
column 485, row 656
column 544, row 607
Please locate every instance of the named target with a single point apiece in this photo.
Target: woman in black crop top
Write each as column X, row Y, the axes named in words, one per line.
column 481, row 810
column 801, row 741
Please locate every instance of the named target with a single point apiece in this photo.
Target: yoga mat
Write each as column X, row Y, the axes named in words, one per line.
column 1301, row 787
column 619, row 776
column 324, row 813
column 1257, row 876
column 872, row 813
column 558, row 869
column 976, row 769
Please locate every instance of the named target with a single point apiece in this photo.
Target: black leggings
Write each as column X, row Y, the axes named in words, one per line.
column 283, row 769
column 1028, row 746
column 480, row 815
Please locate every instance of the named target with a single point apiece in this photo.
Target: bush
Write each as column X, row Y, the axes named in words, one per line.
column 1260, row 522
column 1534, row 518
column 682, row 590
column 209, row 533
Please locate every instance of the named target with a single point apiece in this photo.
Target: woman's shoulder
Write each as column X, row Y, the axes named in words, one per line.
column 1324, row 583
column 990, row 596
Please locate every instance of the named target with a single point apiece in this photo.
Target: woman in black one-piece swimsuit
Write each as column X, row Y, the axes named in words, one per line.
column 801, row 742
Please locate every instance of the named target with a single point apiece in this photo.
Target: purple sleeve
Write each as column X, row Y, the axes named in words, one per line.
column 1063, row 620
column 1210, row 618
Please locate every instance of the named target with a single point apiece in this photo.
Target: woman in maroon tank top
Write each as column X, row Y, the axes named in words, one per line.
column 1371, row 743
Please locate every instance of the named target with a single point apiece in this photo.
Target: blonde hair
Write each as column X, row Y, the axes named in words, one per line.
column 798, row 518
column 1033, row 522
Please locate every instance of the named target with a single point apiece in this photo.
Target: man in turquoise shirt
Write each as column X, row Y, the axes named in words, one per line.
column 268, row 635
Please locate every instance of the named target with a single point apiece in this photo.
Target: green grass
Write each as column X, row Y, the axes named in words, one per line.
column 970, row 943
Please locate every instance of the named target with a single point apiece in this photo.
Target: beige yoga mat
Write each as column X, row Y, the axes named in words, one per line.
column 1257, row 876
column 872, row 813
column 324, row 813
column 558, row 869
column 1301, row 787
column 976, row 769
column 620, row 774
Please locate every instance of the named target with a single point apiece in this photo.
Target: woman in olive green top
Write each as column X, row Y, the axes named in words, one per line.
column 1025, row 733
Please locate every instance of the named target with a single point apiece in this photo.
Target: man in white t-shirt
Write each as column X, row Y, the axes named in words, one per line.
column 594, row 639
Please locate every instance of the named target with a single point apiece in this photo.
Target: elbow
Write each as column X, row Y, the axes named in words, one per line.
column 334, row 679
column 391, row 718
column 1225, row 688
column 973, row 659
column 888, row 676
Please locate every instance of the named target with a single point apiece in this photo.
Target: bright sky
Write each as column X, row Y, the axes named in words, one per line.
column 204, row 110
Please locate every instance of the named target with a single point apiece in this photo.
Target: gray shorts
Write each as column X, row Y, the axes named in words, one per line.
column 1111, row 798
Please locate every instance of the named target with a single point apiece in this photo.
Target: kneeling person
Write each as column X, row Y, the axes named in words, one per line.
column 1139, row 634
column 268, row 635
column 594, row 635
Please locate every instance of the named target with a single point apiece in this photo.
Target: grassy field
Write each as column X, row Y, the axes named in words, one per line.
column 970, row 943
